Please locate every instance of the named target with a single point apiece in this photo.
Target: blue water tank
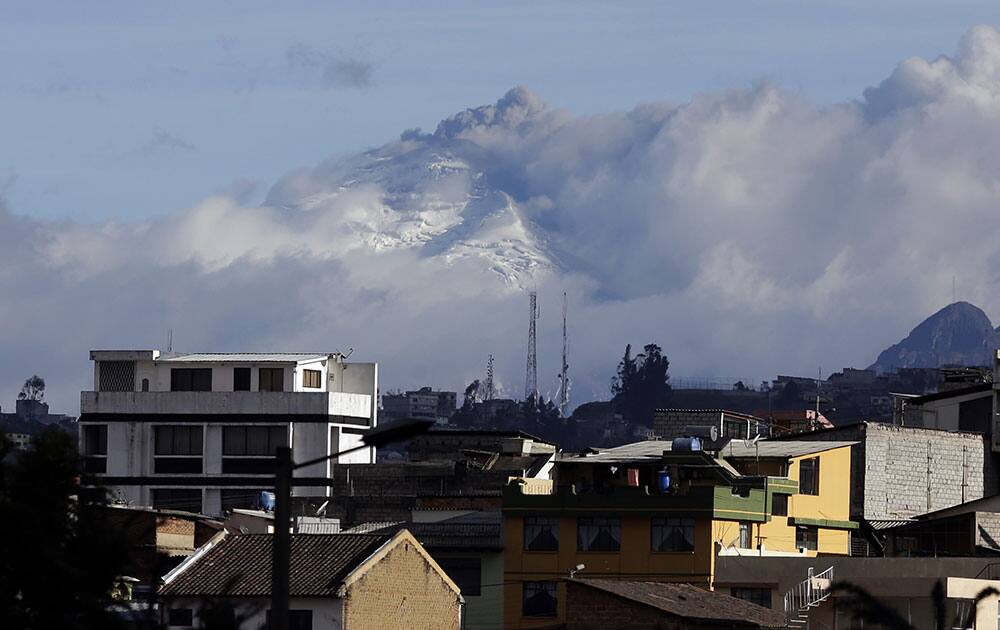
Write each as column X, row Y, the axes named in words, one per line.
column 686, row 444
column 663, row 480
column 266, row 501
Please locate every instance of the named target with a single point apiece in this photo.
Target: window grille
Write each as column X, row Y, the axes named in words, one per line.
column 116, row 376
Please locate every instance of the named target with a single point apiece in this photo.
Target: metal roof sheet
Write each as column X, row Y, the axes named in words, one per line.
column 246, row 357
column 653, row 449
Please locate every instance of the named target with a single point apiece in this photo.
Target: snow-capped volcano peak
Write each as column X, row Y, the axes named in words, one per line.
column 434, row 192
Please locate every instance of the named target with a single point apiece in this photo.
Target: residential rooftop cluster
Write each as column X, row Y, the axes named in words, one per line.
column 715, row 518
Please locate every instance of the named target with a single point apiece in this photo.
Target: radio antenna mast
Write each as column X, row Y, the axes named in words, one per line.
column 564, row 370
column 531, row 370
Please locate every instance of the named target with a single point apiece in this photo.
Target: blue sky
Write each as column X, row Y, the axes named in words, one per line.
column 127, row 110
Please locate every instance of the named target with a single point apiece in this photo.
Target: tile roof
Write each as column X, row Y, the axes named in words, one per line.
column 690, row 602
column 240, row 565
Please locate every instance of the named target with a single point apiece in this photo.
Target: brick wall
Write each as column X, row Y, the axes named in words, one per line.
column 402, row 590
column 668, row 424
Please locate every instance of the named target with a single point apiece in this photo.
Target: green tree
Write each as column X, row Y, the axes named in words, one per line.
column 59, row 558
column 641, row 385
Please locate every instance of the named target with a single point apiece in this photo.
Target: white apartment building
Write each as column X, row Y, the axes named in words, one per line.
column 198, row 432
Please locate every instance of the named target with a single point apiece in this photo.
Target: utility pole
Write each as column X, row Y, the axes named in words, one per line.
column 531, row 370
column 564, row 370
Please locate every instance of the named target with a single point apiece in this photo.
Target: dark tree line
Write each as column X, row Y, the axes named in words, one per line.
column 641, row 385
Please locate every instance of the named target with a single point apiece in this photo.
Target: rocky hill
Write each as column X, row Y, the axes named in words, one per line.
column 959, row 334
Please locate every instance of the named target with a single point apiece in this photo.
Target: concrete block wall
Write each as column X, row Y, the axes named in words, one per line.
column 910, row 471
column 988, row 529
column 892, row 476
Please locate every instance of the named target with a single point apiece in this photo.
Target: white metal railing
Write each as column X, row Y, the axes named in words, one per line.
column 808, row 593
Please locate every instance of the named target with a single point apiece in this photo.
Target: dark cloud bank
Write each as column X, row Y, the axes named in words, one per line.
column 748, row 232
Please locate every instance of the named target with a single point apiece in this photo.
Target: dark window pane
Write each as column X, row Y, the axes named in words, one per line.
column 779, row 505
column 187, row 499
column 183, row 617
column 806, row 537
column 598, row 533
column 241, row 379
column 539, row 599
column 248, row 465
column 191, row 379
column 541, row 533
column 177, row 440
column 174, row 465
column 240, row 498
column 271, row 379
column 95, row 439
column 465, row 572
column 809, row 476
column 95, row 464
column 672, row 534
column 234, row 440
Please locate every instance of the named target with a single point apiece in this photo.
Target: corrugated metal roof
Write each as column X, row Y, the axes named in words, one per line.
column 245, row 357
column 653, row 449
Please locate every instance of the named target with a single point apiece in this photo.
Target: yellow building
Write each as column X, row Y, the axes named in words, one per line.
column 647, row 511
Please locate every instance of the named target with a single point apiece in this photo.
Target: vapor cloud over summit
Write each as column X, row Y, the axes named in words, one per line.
column 748, row 231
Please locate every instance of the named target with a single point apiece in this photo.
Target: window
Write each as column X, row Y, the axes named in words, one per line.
column 250, row 449
column 746, row 536
column 145, row 384
column 191, row 380
column 186, row 499
column 95, row 448
column 806, row 537
column 116, row 376
column 465, row 572
column 598, row 533
column 779, row 505
column 541, row 533
column 181, row 617
column 297, row 619
column 736, row 429
column 271, row 379
column 672, row 534
column 177, row 449
column 253, row 440
column 312, row 378
column 95, row 439
column 177, row 440
column 241, row 379
column 240, row 498
column 809, row 476
column 539, row 599
column 759, row 596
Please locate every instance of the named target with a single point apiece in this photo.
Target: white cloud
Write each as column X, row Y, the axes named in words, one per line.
column 746, row 231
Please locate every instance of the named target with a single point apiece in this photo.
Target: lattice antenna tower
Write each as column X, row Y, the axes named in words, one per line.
column 490, row 392
column 531, row 371
column 564, row 370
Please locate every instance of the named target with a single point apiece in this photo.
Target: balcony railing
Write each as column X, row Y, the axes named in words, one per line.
column 221, row 403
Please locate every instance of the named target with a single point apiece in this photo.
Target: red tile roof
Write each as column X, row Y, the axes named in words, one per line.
column 690, row 602
column 240, row 565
